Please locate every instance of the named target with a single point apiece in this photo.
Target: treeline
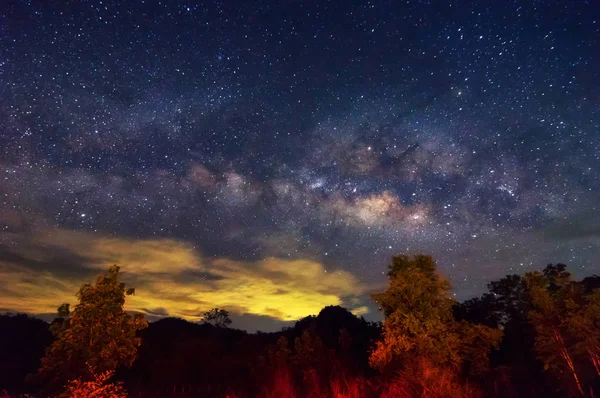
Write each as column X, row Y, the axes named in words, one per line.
column 531, row 335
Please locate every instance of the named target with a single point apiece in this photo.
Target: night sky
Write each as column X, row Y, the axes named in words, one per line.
column 270, row 157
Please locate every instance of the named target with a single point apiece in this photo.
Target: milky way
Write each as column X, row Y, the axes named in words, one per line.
column 333, row 134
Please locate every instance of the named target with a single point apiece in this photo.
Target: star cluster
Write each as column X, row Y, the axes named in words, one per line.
column 333, row 132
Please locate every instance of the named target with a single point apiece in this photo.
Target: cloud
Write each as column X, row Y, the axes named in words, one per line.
column 360, row 311
column 583, row 225
column 171, row 277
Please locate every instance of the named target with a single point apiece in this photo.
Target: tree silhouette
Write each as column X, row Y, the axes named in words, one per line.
column 97, row 334
column 216, row 317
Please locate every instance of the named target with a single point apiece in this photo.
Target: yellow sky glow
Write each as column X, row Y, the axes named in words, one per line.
column 173, row 277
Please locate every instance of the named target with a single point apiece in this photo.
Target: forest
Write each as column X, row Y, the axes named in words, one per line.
column 531, row 335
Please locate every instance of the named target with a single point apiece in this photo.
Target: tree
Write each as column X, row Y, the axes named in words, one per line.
column 552, row 296
column 97, row 334
column 505, row 306
column 312, row 358
column 419, row 322
column 584, row 326
column 511, row 301
column 476, row 341
column 279, row 354
column 217, row 317
column 416, row 308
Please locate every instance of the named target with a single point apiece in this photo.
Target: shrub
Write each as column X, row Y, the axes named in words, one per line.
column 98, row 387
column 423, row 379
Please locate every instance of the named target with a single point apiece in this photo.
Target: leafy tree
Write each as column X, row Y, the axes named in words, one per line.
column 312, row 358
column 419, row 321
column 476, row 342
column 417, row 308
column 478, row 309
column 217, row 317
column 98, row 333
column 279, row 354
column 309, row 350
column 510, row 300
column 584, row 326
column 591, row 283
column 552, row 296
column 505, row 306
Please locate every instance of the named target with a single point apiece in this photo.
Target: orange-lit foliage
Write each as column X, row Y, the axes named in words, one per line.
column 98, row 387
column 419, row 322
column 98, row 332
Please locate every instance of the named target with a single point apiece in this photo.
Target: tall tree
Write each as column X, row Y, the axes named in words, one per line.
column 97, row 334
column 419, row 321
column 584, row 326
column 553, row 300
column 505, row 306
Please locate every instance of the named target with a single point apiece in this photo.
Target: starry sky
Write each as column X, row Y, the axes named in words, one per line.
column 269, row 157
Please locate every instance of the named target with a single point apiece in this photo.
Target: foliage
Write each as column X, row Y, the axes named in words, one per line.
column 97, row 332
column 566, row 319
column 97, row 387
column 505, row 306
column 311, row 359
column 420, row 323
column 476, row 341
column 584, row 326
column 424, row 379
column 217, row 317
column 280, row 353
column 547, row 316
column 309, row 350
column 427, row 294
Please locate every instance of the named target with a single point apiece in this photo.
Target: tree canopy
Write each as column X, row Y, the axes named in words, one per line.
column 566, row 318
column 97, row 334
column 419, row 321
